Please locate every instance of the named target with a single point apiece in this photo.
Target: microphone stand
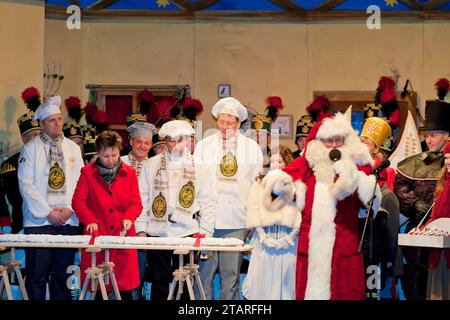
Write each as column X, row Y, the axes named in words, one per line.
column 369, row 220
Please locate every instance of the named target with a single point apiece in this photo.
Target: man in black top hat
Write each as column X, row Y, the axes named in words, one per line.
column 414, row 186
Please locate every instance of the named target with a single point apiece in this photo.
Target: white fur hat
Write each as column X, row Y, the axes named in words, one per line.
column 338, row 125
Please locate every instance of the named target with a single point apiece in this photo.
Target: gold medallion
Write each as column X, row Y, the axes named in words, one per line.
column 228, row 165
column 159, row 206
column 187, row 195
column 56, row 177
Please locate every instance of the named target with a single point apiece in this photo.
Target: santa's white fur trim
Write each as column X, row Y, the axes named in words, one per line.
column 359, row 152
column 300, row 192
column 336, row 126
column 347, row 181
column 253, row 205
column 322, row 236
column 365, row 188
column 263, row 210
column 340, row 126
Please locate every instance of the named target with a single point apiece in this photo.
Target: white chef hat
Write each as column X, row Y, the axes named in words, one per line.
column 142, row 129
column 232, row 106
column 48, row 108
column 176, row 128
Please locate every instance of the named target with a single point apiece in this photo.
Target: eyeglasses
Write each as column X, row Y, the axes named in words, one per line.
column 337, row 140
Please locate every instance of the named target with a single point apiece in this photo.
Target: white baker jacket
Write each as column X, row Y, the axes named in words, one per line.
column 225, row 208
column 33, row 180
column 146, row 188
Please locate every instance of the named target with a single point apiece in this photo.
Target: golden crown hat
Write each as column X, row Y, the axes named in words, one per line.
column 377, row 130
column 304, row 126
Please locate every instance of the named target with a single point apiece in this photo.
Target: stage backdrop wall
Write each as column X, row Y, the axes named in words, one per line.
column 21, row 64
column 289, row 59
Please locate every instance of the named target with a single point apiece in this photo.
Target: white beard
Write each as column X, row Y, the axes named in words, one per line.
column 319, row 161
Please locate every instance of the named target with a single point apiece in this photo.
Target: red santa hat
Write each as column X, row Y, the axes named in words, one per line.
column 338, row 125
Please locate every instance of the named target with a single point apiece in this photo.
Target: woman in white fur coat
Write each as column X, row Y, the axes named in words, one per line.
column 271, row 272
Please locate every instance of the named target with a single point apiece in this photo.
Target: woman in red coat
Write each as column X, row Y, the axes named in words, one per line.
column 107, row 201
column 439, row 260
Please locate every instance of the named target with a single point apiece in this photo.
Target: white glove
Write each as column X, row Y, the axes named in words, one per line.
column 338, row 167
column 269, row 243
column 282, row 244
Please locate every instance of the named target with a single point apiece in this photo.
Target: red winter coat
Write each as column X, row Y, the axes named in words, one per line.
column 95, row 202
column 347, row 269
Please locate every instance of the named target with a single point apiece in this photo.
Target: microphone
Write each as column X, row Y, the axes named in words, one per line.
column 334, row 155
column 405, row 89
column 383, row 165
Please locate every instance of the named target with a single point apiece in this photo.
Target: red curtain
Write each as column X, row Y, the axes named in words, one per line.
column 117, row 109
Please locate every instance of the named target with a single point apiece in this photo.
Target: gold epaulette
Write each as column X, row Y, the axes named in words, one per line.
column 7, row 167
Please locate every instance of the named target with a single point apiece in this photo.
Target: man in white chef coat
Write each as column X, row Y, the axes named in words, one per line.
column 227, row 164
column 49, row 167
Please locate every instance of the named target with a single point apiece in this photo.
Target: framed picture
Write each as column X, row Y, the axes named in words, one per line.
column 223, row 90
column 284, row 126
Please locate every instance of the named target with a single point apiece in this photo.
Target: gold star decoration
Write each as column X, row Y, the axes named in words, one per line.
column 162, row 3
column 391, row 3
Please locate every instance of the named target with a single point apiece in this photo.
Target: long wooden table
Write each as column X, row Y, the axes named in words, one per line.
column 99, row 275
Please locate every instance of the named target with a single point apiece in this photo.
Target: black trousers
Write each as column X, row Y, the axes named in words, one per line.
column 48, row 265
column 415, row 276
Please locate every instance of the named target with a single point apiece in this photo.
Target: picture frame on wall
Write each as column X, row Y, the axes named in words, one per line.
column 223, row 90
column 284, row 125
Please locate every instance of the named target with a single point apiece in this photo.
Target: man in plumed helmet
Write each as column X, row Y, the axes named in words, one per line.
column 414, row 186
column 72, row 128
column 304, row 126
column 261, row 126
column 28, row 129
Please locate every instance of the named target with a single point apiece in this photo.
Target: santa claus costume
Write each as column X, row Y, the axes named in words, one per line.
column 329, row 265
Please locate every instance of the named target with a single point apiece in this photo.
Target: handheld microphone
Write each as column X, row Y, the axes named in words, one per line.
column 334, row 155
column 405, row 89
column 383, row 165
